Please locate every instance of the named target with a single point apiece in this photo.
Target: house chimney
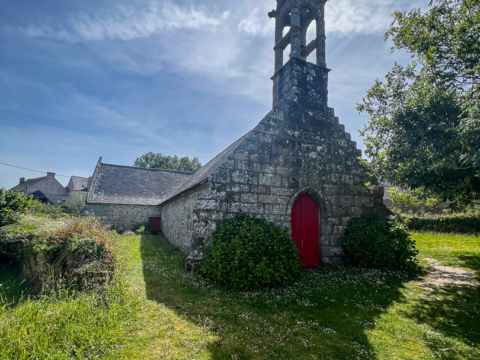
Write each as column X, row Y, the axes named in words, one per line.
column 22, row 180
column 49, row 174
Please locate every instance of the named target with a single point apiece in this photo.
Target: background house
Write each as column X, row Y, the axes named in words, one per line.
column 126, row 195
column 78, row 185
column 46, row 189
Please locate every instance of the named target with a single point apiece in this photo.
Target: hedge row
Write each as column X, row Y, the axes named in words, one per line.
column 444, row 224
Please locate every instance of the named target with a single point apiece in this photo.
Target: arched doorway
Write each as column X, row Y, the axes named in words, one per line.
column 305, row 231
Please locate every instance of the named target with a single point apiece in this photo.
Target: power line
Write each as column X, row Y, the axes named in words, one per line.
column 19, row 167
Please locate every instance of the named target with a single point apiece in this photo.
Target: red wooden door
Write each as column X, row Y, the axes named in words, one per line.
column 156, row 223
column 305, row 230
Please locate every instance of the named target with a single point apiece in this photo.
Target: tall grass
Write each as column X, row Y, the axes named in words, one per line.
column 70, row 325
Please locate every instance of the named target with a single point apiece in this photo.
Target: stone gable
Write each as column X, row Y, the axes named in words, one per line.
column 298, row 148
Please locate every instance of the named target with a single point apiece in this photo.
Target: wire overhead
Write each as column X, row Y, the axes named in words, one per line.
column 38, row 171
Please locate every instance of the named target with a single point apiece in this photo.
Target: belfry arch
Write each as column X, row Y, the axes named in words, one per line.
column 298, row 16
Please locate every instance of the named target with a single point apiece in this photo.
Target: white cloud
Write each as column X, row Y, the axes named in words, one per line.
column 257, row 23
column 366, row 17
column 341, row 16
column 129, row 23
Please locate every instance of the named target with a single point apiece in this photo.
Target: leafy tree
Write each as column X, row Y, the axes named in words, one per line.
column 159, row 161
column 412, row 198
column 74, row 203
column 11, row 204
column 425, row 118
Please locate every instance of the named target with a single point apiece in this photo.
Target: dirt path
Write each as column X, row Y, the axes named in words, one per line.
column 448, row 275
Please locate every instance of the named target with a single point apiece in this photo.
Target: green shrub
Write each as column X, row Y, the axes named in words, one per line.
column 41, row 209
column 250, row 253
column 74, row 204
column 12, row 204
column 375, row 241
column 144, row 229
column 444, row 224
column 12, row 244
column 79, row 251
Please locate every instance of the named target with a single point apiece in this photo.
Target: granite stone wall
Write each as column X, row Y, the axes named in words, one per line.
column 178, row 218
column 123, row 216
column 299, row 147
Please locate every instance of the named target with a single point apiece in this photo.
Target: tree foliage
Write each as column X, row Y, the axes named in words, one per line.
column 425, row 118
column 413, row 198
column 74, row 203
column 12, row 203
column 174, row 163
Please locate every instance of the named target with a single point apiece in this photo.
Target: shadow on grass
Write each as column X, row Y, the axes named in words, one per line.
column 453, row 311
column 472, row 262
column 12, row 284
column 326, row 315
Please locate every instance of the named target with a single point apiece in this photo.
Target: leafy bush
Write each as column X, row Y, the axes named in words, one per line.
column 375, row 241
column 12, row 241
column 74, row 204
column 144, row 229
column 12, row 203
column 78, row 252
column 444, row 224
column 39, row 208
column 250, row 253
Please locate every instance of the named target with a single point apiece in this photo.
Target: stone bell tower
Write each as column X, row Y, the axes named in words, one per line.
column 297, row 16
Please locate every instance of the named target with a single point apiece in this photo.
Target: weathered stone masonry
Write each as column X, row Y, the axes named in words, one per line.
column 124, row 195
column 292, row 151
column 178, row 216
column 299, row 147
column 123, row 216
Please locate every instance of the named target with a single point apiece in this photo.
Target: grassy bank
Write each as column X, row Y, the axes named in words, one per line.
column 156, row 311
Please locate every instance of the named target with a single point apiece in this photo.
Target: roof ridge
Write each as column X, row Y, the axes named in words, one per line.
column 27, row 182
column 41, row 177
column 224, row 154
column 152, row 169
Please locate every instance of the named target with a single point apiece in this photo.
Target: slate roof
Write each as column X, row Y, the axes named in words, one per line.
column 29, row 182
column 79, row 183
column 203, row 174
column 126, row 185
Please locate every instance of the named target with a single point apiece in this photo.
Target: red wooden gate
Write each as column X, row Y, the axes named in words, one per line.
column 156, row 223
column 305, row 230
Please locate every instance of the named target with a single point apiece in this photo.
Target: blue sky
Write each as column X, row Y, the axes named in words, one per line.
column 119, row 78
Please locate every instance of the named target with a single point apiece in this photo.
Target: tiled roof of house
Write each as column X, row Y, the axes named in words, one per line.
column 126, row 185
column 207, row 170
column 79, row 183
column 29, row 182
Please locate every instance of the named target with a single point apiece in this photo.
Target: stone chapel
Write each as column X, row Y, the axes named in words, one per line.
column 297, row 168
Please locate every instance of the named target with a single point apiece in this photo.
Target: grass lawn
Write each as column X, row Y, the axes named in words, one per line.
column 450, row 249
column 329, row 314
column 162, row 313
